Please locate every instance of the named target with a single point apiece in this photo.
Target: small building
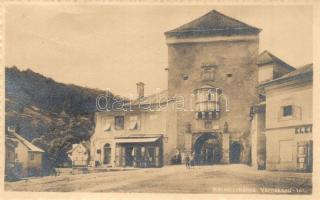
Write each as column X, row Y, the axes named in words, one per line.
column 288, row 120
column 22, row 157
column 270, row 68
column 80, row 154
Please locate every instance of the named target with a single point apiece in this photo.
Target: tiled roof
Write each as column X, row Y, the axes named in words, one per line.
column 299, row 71
column 306, row 70
column 266, row 57
column 213, row 23
column 28, row 144
column 161, row 97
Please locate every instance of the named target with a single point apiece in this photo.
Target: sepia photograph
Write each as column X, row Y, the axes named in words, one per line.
column 178, row 99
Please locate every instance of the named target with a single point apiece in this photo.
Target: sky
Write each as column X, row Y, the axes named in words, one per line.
column 112, row 47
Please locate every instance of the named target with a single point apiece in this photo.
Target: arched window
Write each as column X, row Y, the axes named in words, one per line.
column 207, row 102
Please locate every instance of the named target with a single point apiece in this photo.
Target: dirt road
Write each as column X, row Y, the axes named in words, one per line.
column 174, row 179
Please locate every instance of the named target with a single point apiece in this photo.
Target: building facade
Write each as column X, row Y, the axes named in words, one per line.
column 270, row 68
column 288, row 124
column 80, row 154
column 22, row 158
column 212, row 66
column 135, row 135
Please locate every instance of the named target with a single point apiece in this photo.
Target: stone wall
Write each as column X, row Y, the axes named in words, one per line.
column 236, row 75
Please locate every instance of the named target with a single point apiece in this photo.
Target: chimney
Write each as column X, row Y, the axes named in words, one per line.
column 140, row 89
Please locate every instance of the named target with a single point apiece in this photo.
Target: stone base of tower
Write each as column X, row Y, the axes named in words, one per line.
column 225, row 148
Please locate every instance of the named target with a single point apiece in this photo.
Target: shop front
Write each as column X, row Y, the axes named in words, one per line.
column 290, row 149
column 140, row 152
column 304, row 148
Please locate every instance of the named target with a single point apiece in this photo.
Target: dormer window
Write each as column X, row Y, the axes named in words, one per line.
column 208, row 72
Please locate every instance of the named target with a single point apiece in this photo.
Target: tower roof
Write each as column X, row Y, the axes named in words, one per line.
column 213, row 23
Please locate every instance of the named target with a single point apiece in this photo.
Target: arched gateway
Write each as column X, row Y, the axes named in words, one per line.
column 208, row 149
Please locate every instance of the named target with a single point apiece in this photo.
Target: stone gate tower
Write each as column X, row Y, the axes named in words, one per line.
column 212, row 67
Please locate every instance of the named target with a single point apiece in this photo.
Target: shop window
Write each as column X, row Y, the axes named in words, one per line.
column 119, row 122
column 287, row 111
column 286, row 151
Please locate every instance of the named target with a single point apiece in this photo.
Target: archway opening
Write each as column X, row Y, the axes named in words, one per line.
column 207, row 150
column 107, row 154
column 235, row 151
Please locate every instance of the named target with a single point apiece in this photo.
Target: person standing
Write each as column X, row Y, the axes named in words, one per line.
column 192, row 161
column 187, row 161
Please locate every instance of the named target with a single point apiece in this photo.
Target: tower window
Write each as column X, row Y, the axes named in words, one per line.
column 229, row 75
column 208, row 72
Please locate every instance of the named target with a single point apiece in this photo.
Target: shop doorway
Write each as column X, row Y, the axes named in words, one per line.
column 207, row 150
column 304, row 156
column 235, row 151
column 129, row 155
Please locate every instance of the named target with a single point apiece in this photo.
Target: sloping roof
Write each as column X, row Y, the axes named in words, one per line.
column 266, row 57
column 301, row 72
column 86, row 145
column 29, row 145
column 213, row 23
column 157, row 98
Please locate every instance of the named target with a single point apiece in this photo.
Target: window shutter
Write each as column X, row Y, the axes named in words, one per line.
column 107, row 126
column 280, row 113
column 297, row 112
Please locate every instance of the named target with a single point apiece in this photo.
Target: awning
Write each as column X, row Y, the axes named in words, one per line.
column 137, row 140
